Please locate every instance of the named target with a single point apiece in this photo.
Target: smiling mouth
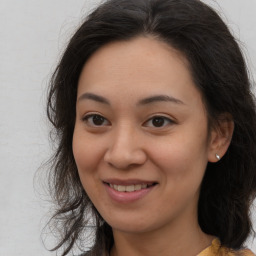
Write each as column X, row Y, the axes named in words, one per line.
column 130, row 188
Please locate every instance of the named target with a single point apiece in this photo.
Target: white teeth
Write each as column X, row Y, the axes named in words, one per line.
column 144, row 185
column 137, row 187
column 130, row 188
column 121, row 188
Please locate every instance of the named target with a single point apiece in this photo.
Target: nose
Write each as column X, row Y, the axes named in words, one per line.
column 125, row 150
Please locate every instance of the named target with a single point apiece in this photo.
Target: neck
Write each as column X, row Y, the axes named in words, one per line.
column 184, row 240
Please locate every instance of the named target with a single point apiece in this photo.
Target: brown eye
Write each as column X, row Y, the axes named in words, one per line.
column 98, row 120
column 158, row 122
column 95, row 120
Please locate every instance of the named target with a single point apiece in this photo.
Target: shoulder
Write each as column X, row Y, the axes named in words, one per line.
column 246, row 252
column 242, row 252
column 217, row 250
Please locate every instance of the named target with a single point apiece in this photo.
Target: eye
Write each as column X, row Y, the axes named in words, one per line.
column 158, row 122
column 95, row 120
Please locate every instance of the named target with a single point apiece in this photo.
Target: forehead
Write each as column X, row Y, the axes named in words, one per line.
column 132, row 56
column 138, row 67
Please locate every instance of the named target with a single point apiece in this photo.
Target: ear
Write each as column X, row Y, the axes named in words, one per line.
column 220, row 137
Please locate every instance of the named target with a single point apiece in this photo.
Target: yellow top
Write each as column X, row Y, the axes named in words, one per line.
column 216, row 250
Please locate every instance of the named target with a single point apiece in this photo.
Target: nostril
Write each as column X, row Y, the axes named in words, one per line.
column 125, row 158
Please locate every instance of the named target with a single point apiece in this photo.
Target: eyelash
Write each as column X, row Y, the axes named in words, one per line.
column 87, row 118
column 162, row 118
column 164, row 121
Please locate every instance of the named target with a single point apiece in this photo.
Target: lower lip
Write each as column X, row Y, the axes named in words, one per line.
column 127, row 197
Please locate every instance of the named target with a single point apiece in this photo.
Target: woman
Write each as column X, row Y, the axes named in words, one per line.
column 156, row 129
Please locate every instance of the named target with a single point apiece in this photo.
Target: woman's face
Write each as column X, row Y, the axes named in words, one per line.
column 141, row 141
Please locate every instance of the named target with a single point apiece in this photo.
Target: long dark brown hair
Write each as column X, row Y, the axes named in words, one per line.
column 219, row 71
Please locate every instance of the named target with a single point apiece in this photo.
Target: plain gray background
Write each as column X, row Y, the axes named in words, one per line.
column 33, row 34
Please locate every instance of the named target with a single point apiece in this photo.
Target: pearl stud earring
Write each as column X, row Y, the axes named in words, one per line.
column 217, row 156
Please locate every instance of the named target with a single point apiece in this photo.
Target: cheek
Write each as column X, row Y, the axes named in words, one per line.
column 181, row 156
column 86, row 151
column 182, row 166
column 86, row 161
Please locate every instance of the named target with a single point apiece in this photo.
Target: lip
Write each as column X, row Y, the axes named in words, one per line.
column 128, row 182
column 127, row 197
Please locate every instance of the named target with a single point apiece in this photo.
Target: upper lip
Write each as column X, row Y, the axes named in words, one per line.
column 128, row 181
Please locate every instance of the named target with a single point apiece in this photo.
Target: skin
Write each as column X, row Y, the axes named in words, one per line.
column 127, row 144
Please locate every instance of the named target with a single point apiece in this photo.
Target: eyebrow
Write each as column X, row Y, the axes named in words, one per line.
column 148, row 100
column 92, row 96
column 160, row 98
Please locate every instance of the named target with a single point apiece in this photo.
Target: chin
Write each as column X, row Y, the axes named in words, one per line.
column 131, row 226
